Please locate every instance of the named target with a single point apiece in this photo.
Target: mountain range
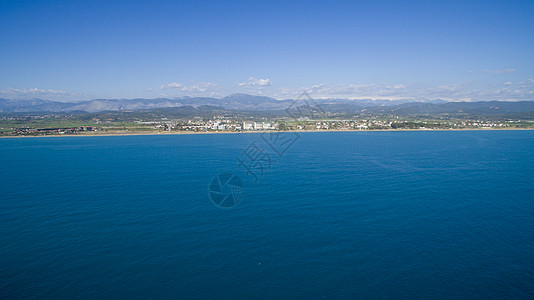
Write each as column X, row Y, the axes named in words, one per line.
column 245, row 102
column 232, row 102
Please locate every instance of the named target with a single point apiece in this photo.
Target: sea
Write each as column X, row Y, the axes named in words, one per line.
column 327, row 215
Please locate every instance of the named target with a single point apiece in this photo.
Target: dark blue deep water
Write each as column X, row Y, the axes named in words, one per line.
column 413, row 215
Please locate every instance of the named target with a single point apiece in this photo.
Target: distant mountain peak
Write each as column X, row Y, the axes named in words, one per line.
column 246, row 102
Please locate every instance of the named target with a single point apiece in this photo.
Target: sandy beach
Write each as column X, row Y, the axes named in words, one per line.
column 136, row 133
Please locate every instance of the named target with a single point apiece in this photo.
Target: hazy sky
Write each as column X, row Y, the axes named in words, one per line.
column 456, row 50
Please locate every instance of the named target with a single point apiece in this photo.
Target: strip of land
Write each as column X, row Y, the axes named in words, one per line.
column 296, row 117
column 166, row 133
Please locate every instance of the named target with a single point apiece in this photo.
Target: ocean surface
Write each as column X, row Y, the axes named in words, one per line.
column 404, row 215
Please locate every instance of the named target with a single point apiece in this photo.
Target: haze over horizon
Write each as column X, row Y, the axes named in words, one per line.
column 72, row 51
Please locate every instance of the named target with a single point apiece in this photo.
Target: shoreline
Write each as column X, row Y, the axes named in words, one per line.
column 140, row 133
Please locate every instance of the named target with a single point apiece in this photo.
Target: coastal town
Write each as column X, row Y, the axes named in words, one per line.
column 33, row 126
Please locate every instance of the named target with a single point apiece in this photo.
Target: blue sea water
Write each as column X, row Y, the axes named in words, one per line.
column 413, row 215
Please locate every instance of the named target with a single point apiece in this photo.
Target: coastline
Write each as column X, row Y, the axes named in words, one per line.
column 155, row 133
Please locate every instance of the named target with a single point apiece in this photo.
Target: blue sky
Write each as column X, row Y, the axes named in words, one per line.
column 454, row 50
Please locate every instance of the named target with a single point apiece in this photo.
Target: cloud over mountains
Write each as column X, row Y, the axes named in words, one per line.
column 256, row 82
column 520, row 90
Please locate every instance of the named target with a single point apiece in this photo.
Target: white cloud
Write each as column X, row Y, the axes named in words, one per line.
column 361, row 91
column 200, row 87
column 506, row 91
column 195, row 88
column 524, row 84
column 508, row 70
column 172, row 85
column 47, row 94
column 509, row 91
column 256, row 82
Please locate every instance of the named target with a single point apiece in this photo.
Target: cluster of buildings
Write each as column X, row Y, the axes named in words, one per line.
column 326, row 125
column 224, row 125
column 400, row 124
column 229, row 125
column 259, row 126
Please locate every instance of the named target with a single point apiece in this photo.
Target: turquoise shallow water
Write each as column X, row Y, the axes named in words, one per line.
column 413, row 215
